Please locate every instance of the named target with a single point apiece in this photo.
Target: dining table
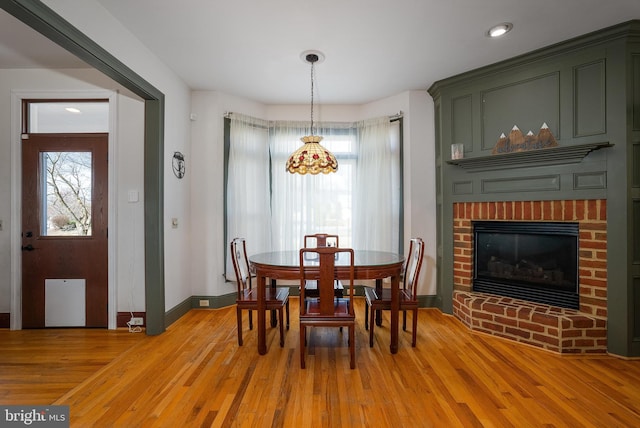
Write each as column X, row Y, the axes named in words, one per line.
column 368, row 265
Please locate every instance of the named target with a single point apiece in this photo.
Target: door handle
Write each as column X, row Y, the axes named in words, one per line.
column 28, row 247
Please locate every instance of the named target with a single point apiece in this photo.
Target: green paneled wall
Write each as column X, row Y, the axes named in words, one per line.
column 590, row 95
column 587, row 90
column 635, row 61
column 527, row 104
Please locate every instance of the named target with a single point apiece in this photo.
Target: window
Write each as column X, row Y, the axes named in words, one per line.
column 68, row 116
column 66, row 191
column 65, row 173
column 274, row 209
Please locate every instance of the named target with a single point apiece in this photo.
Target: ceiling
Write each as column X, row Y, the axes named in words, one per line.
column 373, row 48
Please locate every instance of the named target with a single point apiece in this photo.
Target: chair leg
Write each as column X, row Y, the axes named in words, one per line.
column 352, row 346
column 415, row 326
column 366, row 316
column 287, row 309
column 280, row 320
column 371, row 326
column 303, row 340
column 404, row 320
column 239, row 319
column 250, row 320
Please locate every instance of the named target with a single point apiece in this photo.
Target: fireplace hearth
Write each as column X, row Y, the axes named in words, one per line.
column 548, row 326
column 534, row 261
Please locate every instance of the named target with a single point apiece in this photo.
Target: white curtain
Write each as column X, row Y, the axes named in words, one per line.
column 274, row 209
column 307, row 204
column 248, row 193
column 377, row 187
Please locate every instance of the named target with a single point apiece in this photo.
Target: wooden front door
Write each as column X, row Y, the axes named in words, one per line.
column 64, row 226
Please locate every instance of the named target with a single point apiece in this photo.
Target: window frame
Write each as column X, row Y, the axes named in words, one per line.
column 350, row 156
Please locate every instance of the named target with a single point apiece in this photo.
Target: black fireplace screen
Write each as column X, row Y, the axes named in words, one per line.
column 535, row 261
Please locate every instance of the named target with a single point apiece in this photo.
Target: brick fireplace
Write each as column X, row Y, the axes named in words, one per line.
column 553, row 328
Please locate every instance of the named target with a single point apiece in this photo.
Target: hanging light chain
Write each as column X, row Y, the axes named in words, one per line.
column 312, row 77
column 312, row 58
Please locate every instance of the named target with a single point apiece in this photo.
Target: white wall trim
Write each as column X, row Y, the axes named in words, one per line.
column 16, row 195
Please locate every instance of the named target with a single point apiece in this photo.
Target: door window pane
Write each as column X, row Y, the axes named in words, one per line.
column 68, row 117
column 66, row 193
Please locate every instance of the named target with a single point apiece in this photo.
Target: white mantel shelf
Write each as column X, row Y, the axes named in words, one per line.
column 531, row 158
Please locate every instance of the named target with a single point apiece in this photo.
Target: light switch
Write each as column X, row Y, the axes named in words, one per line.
column 174, row 223
column 132, row 196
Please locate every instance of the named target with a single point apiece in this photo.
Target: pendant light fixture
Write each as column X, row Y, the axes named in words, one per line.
column 312, row 157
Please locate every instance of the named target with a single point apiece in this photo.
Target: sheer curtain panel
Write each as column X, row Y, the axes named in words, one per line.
column 307, row 204
column 248, row 193
column 377, row 186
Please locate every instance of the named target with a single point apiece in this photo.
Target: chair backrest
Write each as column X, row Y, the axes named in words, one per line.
column 321, row 240
column 241, row 264
column 321, row 266
column 413, row 266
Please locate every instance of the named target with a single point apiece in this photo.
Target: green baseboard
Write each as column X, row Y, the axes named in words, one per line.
column 217, row 302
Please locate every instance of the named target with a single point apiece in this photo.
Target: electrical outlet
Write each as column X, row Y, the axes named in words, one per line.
column 136, row 321
column 204, row 303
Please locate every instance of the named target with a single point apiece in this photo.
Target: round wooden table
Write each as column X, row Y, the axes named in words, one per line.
column 368, row 265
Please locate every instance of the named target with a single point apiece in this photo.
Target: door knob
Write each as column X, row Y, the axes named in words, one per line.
column 28, row 247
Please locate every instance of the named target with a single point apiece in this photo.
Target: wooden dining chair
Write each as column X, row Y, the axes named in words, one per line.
column 276, row 298
column 322, row 240
column 325, row 310
column 377, row 300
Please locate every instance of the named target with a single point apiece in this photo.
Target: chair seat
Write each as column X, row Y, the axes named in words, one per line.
column 341, row 309
column 383, row 300
column 272, row 297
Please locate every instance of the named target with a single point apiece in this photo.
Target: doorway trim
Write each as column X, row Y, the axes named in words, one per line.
column 16, row 196
column 44, row 20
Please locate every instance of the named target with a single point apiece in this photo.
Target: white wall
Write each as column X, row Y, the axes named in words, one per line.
column 207, row 193
column 321, row 113
column 207, row 213
column 95, row 22
column 420, row 206
column 194, row 252
column 127, row 153
column 419, row 173
column 130, row 221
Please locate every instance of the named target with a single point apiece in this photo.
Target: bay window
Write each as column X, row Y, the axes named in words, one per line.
column 273, row 209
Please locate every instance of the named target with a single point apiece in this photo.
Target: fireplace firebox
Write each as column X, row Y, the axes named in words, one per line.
column 534, row 261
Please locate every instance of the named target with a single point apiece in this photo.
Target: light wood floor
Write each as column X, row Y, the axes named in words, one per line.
column 195, row 375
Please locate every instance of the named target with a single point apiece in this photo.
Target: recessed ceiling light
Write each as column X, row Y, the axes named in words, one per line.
column 499, row 30
column 72, row 110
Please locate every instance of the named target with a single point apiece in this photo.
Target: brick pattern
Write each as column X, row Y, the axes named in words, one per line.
column 561, row 330
column 556, row 329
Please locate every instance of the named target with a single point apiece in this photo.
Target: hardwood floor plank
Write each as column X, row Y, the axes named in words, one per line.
column 195, row 374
